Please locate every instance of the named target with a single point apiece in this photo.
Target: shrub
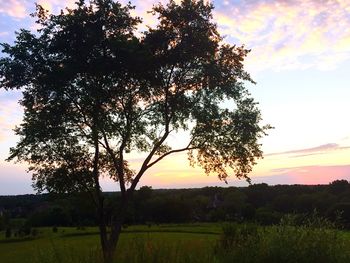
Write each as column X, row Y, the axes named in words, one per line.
column 34, row 232
column 314, row 241
column 266, row 216
column 24, row 230
column 8, row 232
column 235, row 235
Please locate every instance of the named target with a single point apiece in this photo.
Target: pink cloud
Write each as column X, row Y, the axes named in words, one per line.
column 22, row 8
column 309, row 174
column 283, row 33
column 54, row 6
column 15, row 8
column 311, row 151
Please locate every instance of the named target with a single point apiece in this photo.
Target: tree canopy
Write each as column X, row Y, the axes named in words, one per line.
column 95, row 89
column 88, row 81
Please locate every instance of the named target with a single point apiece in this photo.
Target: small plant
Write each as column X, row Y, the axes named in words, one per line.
column 24, row 230
column 8, row 232
column 34, row 232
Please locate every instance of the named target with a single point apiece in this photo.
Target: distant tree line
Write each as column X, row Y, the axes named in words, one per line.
column 259, row 203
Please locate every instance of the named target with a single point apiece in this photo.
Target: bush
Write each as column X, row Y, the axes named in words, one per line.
column 313, row 241
column 24, row 230
column 8, row 232
column 340, row 212
column 266, row 216
column 34, row 232
column 235, row 235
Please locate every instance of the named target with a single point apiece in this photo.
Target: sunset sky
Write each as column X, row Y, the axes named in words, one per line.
column 300, row 60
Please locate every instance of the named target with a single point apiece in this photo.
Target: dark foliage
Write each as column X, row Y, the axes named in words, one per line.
column 209, row 204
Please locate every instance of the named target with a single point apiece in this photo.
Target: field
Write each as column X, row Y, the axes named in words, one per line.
column 71, row 244
column 184, row 243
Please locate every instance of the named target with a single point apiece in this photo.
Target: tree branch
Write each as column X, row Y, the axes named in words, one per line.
column 167, row 120
column 170, row 152
column 144, row 166
column 115, row 163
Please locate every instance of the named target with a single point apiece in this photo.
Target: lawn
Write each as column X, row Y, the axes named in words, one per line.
column 186, row 243
column 69, row 244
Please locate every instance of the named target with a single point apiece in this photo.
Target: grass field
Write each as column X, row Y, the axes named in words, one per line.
column 68, row 243
column 182, row 243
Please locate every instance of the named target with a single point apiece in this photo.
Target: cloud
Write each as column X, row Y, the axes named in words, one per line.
column 14, row 8
column 54, row 6
column 317, row 174
column 312, row 151
column 20, row 9
column 289, row 34
column 283, row 34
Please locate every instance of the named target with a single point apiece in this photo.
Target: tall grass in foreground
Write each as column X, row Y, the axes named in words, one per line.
column 138, row 250
column 147, row 251
column 55, row 254
column 313, row 241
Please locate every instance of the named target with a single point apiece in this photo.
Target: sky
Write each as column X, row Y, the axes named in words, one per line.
column 300, row 59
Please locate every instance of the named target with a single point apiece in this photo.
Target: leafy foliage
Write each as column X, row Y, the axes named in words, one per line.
column 88, row 81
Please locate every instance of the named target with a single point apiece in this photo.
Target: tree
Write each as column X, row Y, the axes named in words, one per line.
column 338, row 186
column 94, row 90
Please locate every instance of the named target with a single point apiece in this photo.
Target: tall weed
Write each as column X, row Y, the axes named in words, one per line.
column 55, row 254
column 315, row 240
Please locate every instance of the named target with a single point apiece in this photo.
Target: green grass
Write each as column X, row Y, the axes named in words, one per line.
column 283, row 243
column 68, row 244
column 185, row 243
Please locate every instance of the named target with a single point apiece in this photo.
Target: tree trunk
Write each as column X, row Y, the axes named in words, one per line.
column 108, row 254
column 105, row 247
column 109, row 243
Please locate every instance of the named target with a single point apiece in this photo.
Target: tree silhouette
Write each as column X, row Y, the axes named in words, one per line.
column 94, row 90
